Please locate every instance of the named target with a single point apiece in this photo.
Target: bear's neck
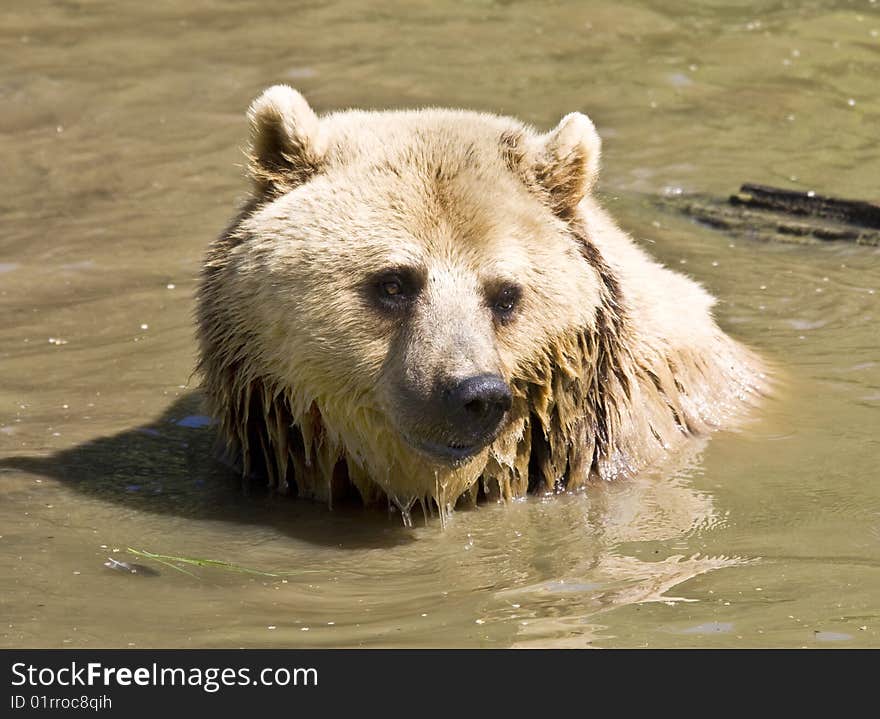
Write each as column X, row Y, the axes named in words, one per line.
column 575, row 398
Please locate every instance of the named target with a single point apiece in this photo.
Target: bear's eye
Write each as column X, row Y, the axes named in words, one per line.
column 505, row 302
column 391, row 288
column 395, row 290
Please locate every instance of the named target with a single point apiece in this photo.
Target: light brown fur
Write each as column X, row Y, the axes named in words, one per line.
column 612, row 359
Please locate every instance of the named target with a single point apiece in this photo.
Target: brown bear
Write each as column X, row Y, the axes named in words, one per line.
column 431, row 304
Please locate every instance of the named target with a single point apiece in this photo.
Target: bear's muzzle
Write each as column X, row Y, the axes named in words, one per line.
column 464, row 416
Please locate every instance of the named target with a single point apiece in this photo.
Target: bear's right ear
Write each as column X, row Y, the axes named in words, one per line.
column 568, row 161
column 285, row 141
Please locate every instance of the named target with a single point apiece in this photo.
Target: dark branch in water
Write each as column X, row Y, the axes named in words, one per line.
column 793, row 202
column 778, row 215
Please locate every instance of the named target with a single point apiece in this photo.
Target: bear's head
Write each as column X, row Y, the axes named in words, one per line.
column 409, row 303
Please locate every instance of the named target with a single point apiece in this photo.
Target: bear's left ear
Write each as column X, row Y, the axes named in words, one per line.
column 285, row 148
column 567, row 162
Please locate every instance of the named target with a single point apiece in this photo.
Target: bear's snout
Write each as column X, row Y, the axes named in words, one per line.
column 478, row 404
column 467, row 415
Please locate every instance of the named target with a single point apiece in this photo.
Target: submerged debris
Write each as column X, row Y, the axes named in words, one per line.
column 130, row 568
column 779, row 215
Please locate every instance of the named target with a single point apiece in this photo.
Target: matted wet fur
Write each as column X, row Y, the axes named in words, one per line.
column 612, row 360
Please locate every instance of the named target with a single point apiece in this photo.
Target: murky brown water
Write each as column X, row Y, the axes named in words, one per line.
column 120, row 132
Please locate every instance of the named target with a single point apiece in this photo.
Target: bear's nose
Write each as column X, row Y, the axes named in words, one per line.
column 478, row 404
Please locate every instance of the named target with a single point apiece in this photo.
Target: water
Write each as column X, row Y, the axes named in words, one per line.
column 120, row 141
